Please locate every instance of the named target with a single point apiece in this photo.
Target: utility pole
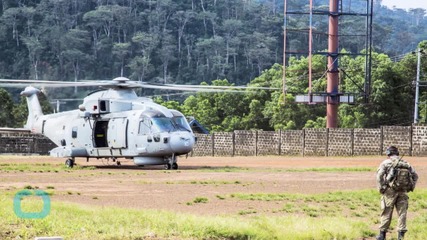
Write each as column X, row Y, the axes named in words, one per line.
column 417, row 85
column 333, row 73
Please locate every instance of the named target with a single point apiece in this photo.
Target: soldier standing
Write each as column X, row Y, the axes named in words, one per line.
column 395, row 177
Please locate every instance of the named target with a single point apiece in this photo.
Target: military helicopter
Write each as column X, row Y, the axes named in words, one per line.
column 114, row 123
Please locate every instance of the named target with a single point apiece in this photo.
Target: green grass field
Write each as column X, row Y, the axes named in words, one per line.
column 38, row 167
column 336, row 215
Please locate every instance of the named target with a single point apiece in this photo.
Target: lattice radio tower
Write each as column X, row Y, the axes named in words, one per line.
column 338, row 10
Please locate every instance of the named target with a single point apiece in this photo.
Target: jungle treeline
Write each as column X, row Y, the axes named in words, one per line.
column 230, row 42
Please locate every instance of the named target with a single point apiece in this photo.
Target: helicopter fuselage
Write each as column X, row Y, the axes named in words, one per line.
column 115, row 123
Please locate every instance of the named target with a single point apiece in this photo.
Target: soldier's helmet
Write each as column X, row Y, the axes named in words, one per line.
column 392, row 150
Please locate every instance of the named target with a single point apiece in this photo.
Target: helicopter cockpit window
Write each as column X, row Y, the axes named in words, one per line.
column 163, row 124
column 182, row 123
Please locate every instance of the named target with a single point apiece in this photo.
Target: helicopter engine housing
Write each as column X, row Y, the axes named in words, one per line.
column 141, row 161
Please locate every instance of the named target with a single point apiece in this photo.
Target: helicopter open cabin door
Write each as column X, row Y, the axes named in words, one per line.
column 100, row 134
column 117, row 133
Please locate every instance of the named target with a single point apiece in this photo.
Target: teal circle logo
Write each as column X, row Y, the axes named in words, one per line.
column 19, row 196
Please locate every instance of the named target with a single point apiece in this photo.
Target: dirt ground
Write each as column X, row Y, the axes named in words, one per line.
column 213, row 178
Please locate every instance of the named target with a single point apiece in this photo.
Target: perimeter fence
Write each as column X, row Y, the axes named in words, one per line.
column 411, row 140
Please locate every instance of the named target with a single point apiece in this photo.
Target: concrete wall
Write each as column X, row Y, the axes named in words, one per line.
column 291, row 142
column 419, row 141
column 315, row 142
column 307, row 142
column 321, row 142
column 367, row 141
column 268, row 143
column 245, row 143
column 398, row 136
column 24, row 143
column 340, row 142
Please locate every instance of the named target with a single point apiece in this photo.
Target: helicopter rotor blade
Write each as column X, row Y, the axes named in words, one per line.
column 15, row 83
column 121, row 83
column 29, row 81
column 185, row 88
column 225, row 87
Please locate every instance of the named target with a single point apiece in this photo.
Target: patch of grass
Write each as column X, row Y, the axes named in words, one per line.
column 223, row 169
column 91, row 222
column 332, row 169
column 318, row 169
column 363, row 204
column 200, row 200
column 204, row 182
column 214, row 182
column 39, row 167
column 144, row 182
column 247, row 212
column 220, row 197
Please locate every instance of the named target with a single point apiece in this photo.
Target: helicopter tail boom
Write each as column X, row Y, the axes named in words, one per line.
column 34, row 108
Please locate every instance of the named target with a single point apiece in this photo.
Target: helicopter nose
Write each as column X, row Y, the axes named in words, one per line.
column 182, row 143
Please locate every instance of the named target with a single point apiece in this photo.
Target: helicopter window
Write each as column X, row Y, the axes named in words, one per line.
column 74, row 132
column 164, row 124
column 103, row 106
column 144, row 126
column 44, row 122
column 182, row 123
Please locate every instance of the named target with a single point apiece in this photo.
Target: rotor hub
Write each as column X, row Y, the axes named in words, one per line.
column 121, row 80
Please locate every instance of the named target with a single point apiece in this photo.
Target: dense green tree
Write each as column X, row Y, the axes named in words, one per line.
column 6, row 106
column 319, row 123
column 75, row 58
column 390, row 96
column 220, row 111
column 121, row 51
column 201, row 41
column 185, row 42
column 142, row 65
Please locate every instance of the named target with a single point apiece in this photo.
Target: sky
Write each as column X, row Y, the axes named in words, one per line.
column 405, row 4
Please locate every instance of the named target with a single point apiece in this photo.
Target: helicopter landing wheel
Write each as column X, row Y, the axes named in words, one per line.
column 168, row 166
column 118, row 163
column 69, row 163
column 175, row 166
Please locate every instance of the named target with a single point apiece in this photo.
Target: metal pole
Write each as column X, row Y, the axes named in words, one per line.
column 332, row 75
column 310, row 50
column 417, row 86
column 285, row 5
column 368, row 48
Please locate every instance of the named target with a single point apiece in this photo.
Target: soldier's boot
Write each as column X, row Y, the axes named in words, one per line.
column 400, row 235
column 381, row 236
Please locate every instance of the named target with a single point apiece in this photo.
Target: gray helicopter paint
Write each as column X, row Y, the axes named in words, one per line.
column 110, row 124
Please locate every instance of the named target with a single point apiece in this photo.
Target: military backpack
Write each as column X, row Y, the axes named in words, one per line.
column 400, row 177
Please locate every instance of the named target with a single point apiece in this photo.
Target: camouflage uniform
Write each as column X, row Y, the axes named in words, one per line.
column 390, row 198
